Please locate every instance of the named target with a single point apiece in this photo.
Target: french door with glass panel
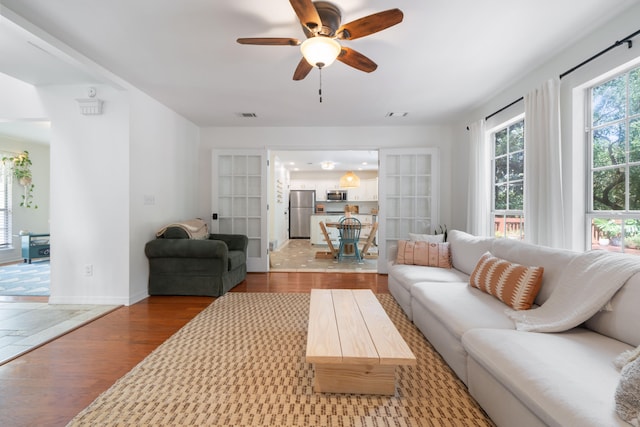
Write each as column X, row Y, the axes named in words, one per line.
column 409, row 198
column 239, row 200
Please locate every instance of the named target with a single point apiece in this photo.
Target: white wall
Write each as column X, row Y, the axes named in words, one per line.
column 330, row 138
column 279, row 212
column 102, row 169
column 116, row 179
column 19, row 100
column 89, row 198
column 572, row 135
column 164, row 180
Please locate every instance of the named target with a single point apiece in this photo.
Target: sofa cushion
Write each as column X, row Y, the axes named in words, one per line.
column 622, row 321
column 236, row 259
column 408, row 275
column 563, row 378
column 424, row 253
column 514, row 284
column 431, row 238
column 553, row 261
column 175, row 233
column 467, row 249
column 460, row 307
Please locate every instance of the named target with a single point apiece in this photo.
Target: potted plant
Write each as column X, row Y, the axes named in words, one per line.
column 609, row 230
column 21, row 170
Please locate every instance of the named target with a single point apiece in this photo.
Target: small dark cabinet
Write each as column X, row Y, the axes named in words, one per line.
column 35, row 246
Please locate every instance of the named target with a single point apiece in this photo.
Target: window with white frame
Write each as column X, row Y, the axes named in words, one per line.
column 507, row 165
column 613, row 140
column 5, row 206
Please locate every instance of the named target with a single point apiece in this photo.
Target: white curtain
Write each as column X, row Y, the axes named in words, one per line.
column 479, row 188
column 543, row 206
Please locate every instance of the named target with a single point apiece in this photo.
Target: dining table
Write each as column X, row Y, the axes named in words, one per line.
column 334, row 251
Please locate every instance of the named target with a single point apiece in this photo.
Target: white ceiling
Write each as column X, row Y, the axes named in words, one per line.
column 311, row 161
column 444, row 59
column 184, row 53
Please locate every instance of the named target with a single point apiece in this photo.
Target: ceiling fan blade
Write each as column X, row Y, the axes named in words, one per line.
column 307, row 14
column 269, row 41
column 302, row 70
column 370, row 24
column 356, row 60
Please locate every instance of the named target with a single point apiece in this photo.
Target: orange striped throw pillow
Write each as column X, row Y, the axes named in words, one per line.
column 424, row 253
column 514, row 284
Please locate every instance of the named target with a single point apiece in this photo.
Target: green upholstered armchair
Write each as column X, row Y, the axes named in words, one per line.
column 182, row 266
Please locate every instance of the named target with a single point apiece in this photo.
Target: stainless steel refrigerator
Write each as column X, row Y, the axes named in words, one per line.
column 302, row 204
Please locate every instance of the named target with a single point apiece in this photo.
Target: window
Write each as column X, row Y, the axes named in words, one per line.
column 614, row 164
column 5, row 206
column 507, row 164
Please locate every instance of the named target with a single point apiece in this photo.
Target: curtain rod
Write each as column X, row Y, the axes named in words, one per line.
column 627, row 40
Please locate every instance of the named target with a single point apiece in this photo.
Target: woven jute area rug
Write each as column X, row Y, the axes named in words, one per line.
column 241, row 362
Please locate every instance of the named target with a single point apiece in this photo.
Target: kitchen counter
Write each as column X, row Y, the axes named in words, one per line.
column 317, row 238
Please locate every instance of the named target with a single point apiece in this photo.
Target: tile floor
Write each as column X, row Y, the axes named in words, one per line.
column 25, row 325
column 299, row 255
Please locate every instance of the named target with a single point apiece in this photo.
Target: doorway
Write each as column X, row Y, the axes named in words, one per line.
column 319, row 171
column 30, row 279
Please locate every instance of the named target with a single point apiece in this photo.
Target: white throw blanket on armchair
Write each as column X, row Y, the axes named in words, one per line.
column 195, row 228
column 588, row 283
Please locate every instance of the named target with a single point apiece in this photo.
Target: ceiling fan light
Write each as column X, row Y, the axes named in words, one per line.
column 349, row 180
column 320, row 51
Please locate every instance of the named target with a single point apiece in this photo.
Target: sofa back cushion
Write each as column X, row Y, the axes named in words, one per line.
column 467, row 249
column 175, row 233
column 552, row 260
column 621, row 319
column 424, row 253
column 514, row 284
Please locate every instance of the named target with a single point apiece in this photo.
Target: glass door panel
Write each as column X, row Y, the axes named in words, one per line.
column 239, row 190
column 409, row 198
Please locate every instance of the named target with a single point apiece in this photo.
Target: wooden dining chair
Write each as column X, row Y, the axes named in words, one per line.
column 327, row 239
column 349, row 236
column 370, row 239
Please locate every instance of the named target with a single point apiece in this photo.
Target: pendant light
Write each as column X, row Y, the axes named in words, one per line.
column 349, row 180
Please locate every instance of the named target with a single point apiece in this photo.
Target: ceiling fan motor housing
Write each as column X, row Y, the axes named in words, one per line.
column 330, row 16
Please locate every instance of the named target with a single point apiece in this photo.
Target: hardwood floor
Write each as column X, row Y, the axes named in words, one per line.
column 51, row 384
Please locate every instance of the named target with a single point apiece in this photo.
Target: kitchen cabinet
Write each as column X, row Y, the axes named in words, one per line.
column 371, row 189
column 321, row 190
column 367, row 191
column 317, row 238
column 324, row 185
column 301, row 184
column 320, row 186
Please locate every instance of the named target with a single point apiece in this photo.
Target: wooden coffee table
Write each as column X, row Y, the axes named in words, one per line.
column 353, row 344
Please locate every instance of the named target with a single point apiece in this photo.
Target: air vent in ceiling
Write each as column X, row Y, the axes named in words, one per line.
column 247, row 115
column 395, row 115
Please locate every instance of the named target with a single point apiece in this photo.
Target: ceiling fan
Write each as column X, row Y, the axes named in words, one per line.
column 321, row 23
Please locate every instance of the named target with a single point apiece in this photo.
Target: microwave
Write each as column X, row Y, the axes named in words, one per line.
column 337, row 195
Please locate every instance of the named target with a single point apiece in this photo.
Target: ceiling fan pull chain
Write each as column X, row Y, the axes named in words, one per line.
column 320, row 90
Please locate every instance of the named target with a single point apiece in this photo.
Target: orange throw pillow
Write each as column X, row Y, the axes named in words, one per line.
column 424, row 253
column 514, row 284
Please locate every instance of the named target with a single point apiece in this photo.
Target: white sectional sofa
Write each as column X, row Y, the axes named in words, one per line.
column 521, row 378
